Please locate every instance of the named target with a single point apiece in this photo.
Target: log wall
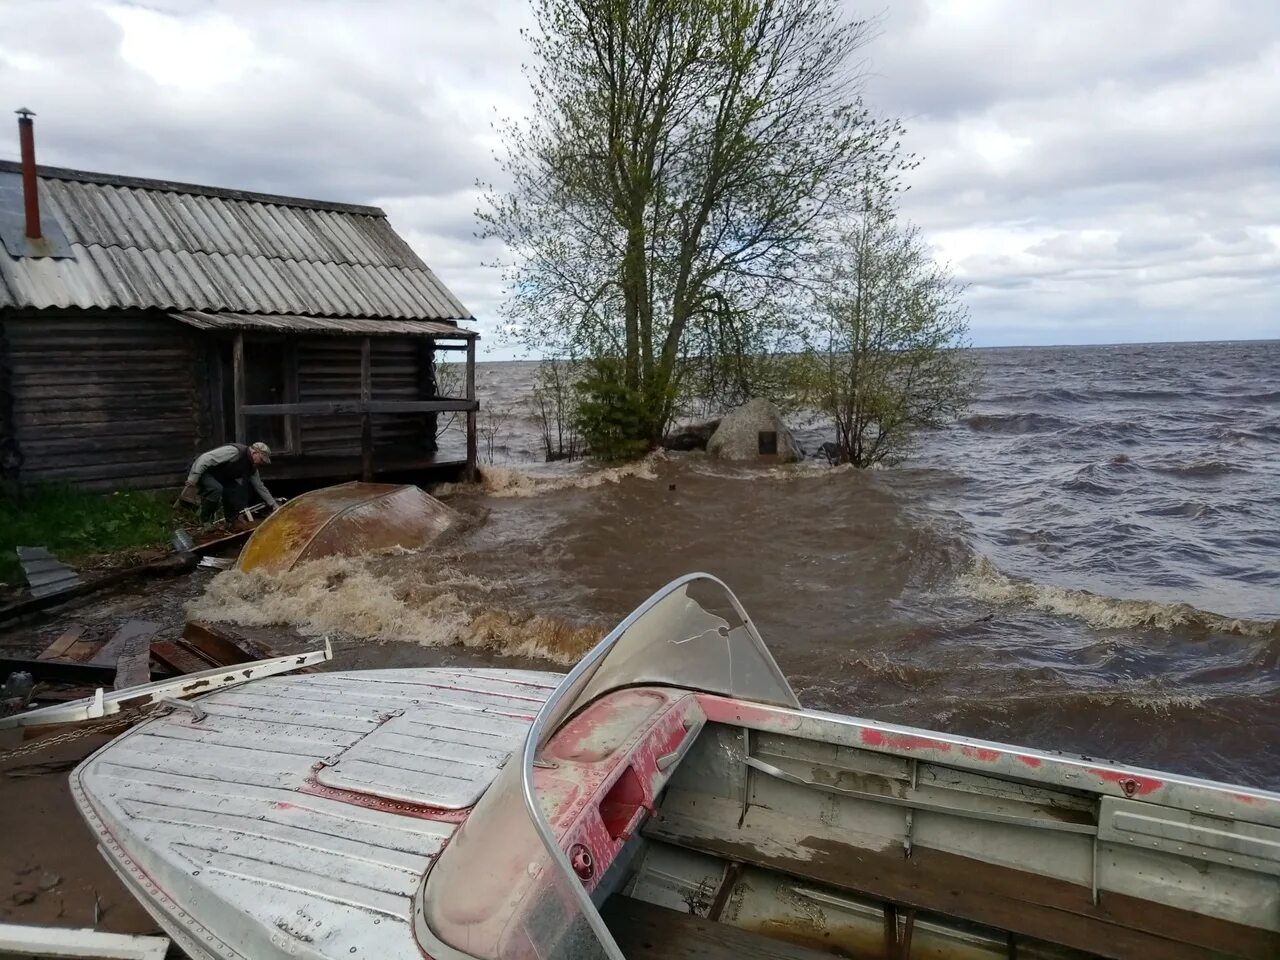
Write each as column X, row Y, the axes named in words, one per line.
column 104, row 399
column 329, row 369
column 113, row 399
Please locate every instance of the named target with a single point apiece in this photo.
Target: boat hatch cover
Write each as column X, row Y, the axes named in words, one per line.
column 431, row 756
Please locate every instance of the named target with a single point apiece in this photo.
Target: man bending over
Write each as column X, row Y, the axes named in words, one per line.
column 223, row 476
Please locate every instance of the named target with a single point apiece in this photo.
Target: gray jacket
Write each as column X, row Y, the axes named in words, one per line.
column 225, row 454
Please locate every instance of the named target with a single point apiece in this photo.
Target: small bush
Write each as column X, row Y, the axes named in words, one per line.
column 554, row 404
column 73, row 524
column 611, row 416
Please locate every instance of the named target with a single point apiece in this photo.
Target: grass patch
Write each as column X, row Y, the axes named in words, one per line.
column 74, row 524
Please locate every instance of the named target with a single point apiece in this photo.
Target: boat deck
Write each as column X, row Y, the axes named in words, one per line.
column 279, row 818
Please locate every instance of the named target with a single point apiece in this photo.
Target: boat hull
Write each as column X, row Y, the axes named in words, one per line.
column 227, row 831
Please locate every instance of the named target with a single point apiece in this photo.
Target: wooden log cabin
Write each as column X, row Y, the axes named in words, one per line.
column 143, row 321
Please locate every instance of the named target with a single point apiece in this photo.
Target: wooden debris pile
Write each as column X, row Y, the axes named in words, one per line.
column 72, row 667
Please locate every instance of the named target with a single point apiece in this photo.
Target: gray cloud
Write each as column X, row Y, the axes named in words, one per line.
column 1093, row 171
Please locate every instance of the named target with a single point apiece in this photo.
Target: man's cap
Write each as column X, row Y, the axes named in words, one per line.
column 263, row 450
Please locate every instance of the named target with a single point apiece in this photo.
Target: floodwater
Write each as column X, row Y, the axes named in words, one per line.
column 1089, row 561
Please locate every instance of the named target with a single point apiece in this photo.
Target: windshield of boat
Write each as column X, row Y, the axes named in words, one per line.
column 504, row 888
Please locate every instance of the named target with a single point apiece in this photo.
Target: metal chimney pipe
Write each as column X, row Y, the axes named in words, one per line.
column 27, row 138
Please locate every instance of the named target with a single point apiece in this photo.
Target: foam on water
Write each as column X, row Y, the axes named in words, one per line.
column 369, row 599
column 983, row 581
column 507, row 480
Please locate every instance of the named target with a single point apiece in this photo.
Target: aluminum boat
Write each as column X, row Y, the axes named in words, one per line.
column 669, row 797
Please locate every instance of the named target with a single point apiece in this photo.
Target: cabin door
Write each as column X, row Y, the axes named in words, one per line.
column 266, row 376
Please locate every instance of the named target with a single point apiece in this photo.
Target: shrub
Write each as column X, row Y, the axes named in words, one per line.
column 72, row 523
column 612, row 417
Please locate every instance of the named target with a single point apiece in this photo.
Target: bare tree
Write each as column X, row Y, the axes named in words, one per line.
column 493, row 427
column 683, row 162
column 554, row 405
column 890, row 358
column 448, row 381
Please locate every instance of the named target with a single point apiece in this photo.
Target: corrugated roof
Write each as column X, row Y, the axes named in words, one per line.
column 46, row 574
column 354, row 326
column 155, row 244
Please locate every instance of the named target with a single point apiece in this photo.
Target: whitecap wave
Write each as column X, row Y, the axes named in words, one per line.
column 505, row 480
column 984, row 581
column 355, row 598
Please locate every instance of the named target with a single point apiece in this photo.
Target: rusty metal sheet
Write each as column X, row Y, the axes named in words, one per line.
column 347, row 520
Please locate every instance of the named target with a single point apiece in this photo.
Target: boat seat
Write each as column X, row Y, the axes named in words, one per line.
column 643, row 931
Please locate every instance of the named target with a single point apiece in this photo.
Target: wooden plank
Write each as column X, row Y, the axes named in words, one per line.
column 82, row 651
column 213, row 388
column 645, row 931
column 471, row 413
column 292, row 425
column 214, row 642
column 180, row 657
column 110, row 651
column 238, row 386
column 134, row 666
column 336, row 408
column 129, row 651
column 64, row 643
column 366, row 424
column 1024, row 903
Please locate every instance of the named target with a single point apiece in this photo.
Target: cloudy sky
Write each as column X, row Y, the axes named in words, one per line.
column 1095, row 171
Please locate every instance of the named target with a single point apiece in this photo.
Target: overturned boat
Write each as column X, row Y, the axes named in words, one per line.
column 669, row 797
column 346, row 520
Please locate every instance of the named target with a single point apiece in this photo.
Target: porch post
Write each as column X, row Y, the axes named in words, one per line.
column 471, row 413
column 366, row 421
column 237, row 385
column 292, row 423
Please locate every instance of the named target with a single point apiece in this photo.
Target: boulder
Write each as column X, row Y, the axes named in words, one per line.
column 750, row 432
column 829, row 450
column 693, row 436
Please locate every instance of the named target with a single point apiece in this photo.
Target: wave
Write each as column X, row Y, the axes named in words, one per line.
column 1128, row 432
column 354, row 598
column 1199, row 468
column 984, row 581
column 1060, row 395
column 509, row 481
column 1140, row 394
column 1189, row 509
column 1239, row 437
column 1265, row 396
column 1015, row 423
column 1082, row 484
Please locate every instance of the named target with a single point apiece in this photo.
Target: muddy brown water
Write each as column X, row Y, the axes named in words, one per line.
column 1086, row 562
